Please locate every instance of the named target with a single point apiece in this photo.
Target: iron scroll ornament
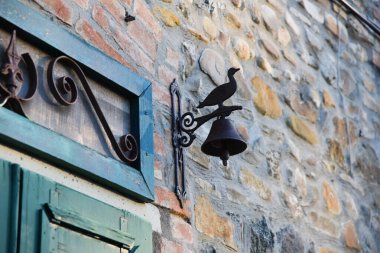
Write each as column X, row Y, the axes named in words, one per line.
column 65, row 91
column 13, row 78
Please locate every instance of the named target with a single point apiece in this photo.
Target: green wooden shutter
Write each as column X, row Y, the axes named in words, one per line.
column 10, row 183
column 54, row 218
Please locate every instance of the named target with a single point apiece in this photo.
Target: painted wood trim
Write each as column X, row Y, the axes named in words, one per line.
column 21, row 133
column 62, row 40
column 138, row 184
column 144, row 109
column 74, row 220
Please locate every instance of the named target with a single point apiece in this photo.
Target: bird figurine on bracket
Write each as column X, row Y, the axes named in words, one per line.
column 222, row 92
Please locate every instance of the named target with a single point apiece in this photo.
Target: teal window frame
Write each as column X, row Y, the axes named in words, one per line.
column 18, row 132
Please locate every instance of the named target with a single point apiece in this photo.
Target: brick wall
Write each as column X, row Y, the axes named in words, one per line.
column 309, row 84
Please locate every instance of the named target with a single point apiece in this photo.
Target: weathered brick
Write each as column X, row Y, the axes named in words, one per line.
column 232, row 20
column 293, row 24
column 242, row 49
column 291, row 241
column 143, row 38
column 331, row 198
column 236, row 196
column 59, row 8
column 198, row 35
column 336, row 27
column 368, row 164
column 302, row 129
column 158, row 170
column 209, row 222
column 210, row 28
column 314, row 40
column 208, row 187
column 172, row 57
column 135, row 53
column 289, row 56
column 376, row 59
column 243, row 131
column 335, row 152
column 181, row 230
column 271, row 21
column 341, row 131
column 212, row 63
column 369, row 85
column 82, row 3
column 264, row 64
column 292, row 203
column 127, row 2
column 199, row 157
column 161, row 94
column 236, row 3
column 159, row 145
column 350, row 206
column 88, row 32
column 266, row 100
column 350, row 236
column 99, row 15
column 283, row 36
column 304, row 108
column 278, row 5
column 359, row 31
column 371, row 103
column 273, row 159
column 165, row 75
column 326, row 225
column 300, row 15
column 144, row 15
column 248, row 179
column 170, row 246
column 328, row 100
column 271, row 48
column 314, row 11
column 168, row 199
column 347, row 83
column 300, row 181
column 115, row 8
column 167, row 16
column 224, row 39
column 326, row 250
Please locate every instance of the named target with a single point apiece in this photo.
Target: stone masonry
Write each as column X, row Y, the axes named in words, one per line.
column 309, row 82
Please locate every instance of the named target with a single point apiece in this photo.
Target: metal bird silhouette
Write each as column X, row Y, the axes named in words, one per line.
column 222, row 92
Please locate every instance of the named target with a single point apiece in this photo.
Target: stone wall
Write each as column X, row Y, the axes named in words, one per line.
column 309, row 84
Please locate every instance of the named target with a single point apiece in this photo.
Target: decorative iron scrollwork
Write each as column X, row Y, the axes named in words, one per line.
column 65, row 91
column 13, row 78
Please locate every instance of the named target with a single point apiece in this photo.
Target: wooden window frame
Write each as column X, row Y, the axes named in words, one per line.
column 20, row 133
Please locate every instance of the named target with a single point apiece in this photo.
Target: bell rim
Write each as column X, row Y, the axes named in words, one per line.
column 240, row 144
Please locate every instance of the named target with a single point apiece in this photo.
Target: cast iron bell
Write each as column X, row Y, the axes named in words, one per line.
column 223, row 140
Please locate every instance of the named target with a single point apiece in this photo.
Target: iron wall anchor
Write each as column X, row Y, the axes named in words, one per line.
column 128, row 18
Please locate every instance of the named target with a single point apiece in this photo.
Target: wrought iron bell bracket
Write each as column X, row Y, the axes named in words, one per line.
column 183, row 133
